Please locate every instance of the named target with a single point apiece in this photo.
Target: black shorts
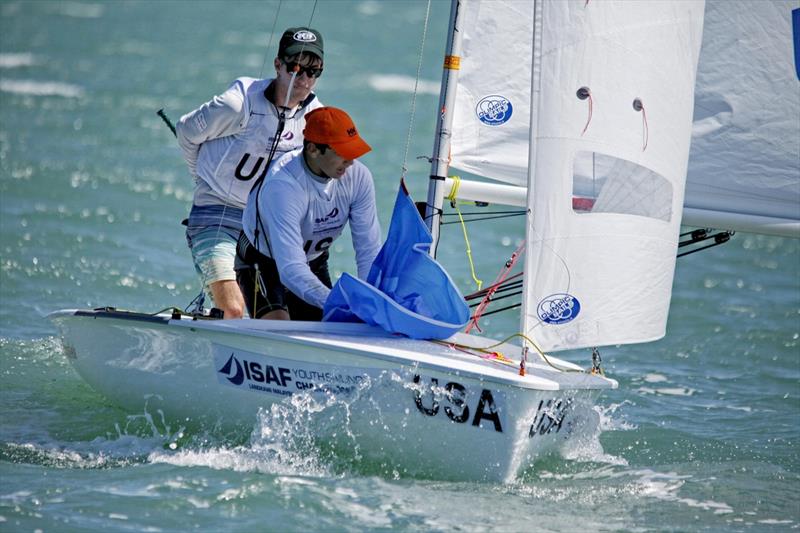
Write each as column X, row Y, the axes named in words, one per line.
column 269, row 294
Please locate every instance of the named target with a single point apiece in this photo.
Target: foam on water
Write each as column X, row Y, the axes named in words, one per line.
column 21, row 59
column 85, row 10
column 41, row 88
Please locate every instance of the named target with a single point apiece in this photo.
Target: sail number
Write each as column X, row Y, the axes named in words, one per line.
column 453, row 401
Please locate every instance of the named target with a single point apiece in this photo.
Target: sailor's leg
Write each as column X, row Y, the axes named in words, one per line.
column 228, row 297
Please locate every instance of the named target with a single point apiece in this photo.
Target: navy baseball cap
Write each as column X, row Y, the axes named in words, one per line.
column 297, row 40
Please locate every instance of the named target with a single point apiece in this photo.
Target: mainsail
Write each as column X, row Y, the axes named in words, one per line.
column 744, row 167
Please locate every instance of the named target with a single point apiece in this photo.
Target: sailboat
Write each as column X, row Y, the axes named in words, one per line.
column 604, row 194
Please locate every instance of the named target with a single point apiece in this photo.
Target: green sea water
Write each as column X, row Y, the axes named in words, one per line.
column 703, row 433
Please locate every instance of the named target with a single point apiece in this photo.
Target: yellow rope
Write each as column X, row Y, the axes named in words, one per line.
column 502, row 358
column 452, row 198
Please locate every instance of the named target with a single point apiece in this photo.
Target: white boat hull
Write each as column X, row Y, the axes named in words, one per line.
column 417, row 407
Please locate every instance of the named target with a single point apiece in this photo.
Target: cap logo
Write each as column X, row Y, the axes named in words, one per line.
column 351, row 132
column 305, row 36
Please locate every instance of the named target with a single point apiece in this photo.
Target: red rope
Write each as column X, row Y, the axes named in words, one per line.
column 590, row 115
column 493, row 288
column 645, row 129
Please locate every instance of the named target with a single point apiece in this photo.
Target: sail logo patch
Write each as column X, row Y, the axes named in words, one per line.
column 494, row 110
column 558, row 308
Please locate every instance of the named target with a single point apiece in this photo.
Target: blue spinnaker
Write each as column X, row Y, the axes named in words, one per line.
column 406, row 291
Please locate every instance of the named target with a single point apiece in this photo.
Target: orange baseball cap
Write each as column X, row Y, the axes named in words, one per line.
column 334, row 127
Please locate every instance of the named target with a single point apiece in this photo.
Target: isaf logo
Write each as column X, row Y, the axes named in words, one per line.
column 494, row 110
column 333, row 214
column 257, row 374
column 238, row 376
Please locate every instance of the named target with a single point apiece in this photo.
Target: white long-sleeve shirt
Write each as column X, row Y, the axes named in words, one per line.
column 226, row 141
column 302, row 214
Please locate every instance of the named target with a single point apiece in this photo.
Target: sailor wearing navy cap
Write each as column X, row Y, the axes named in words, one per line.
column 228, row 143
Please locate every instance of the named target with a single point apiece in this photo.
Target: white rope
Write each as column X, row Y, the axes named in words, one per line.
column 271, row 37
column 416, row 88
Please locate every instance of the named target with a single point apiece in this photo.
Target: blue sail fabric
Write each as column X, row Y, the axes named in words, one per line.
column 406, row 291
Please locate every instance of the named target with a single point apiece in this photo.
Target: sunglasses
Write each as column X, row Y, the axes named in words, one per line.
column 311, row 72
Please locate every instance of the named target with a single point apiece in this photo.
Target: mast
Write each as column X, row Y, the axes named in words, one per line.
column 527, row 323
column 441, row 145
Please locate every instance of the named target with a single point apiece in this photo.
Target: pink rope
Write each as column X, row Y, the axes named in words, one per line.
column 590, row 115
column 645, row 130
column 493, row 288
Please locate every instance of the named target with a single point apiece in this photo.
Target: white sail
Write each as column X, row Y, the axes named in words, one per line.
column 745, row 159
column 744, row 168
column 604, row 276
column 492, row 112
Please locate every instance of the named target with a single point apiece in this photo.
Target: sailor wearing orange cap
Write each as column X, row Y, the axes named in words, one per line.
column 301, row 207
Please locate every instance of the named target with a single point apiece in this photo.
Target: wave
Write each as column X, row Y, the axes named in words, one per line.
column 24, row 59
column 80, row 10
column 41, row 88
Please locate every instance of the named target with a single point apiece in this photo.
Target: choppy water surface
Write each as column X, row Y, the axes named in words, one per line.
column 702, row 433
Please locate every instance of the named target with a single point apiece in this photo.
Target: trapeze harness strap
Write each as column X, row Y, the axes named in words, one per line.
column 273, row 148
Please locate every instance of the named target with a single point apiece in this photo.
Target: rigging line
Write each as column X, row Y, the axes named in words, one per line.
column 503, row 288
column 454, row 204
column 276, row 140
column 475, row 213
column 416, row 88
column 486, row 349
column 480, row 219
column 508, row 283
column 501, row 277
column 638, row 105
column 697, row 232
column 496, row 298
column 271, row 37
column 585, row 93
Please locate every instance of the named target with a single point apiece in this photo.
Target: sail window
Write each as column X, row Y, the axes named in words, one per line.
column 606, row 184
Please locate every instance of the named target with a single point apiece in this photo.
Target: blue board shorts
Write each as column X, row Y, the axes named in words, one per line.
column 212, row 235
column 213, row 251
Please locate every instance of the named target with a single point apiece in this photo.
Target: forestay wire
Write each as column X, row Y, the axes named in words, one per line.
column 271, row 37
column 416, row 88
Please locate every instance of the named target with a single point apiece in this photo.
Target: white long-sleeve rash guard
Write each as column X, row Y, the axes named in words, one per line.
column 226, row 141
column 302, row 214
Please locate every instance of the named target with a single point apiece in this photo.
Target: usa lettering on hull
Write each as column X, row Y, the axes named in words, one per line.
column 282, row 377
column 482, row 408
column 550, row 416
